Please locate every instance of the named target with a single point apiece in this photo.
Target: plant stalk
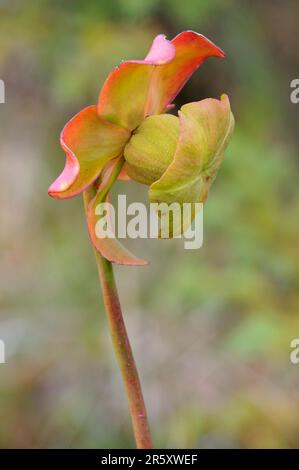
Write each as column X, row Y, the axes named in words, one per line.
column 122, row 346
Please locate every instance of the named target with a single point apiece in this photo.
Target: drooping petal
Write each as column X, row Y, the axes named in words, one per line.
column 124, row 95
column 104, row 241
column 137, row 89
column 205, row 129
column 89, row 143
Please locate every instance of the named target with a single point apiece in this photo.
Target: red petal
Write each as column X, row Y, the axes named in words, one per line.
column 192, row 49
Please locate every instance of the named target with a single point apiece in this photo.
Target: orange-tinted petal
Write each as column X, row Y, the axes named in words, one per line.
column 89, row 143
column 137, row 89
column 123, row 176
column 124, row 96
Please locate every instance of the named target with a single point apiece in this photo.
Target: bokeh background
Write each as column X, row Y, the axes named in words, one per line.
column 211, row 329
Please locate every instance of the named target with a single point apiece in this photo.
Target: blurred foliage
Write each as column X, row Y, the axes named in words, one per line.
column 211, row 329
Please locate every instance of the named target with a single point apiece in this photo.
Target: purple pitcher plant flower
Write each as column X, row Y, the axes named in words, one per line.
column 130, row 135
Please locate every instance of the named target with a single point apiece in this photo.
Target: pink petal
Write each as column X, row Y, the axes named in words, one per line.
column 160, row 52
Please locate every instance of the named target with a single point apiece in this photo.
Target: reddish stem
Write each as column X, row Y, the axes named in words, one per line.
column 122, row 348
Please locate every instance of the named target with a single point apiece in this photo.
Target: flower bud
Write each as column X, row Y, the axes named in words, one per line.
column 179, row 157
column 151, row 148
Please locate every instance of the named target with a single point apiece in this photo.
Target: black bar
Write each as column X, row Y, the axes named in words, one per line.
column 135, row 459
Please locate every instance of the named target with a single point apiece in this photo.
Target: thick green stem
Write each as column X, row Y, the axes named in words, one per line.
column 122, row 347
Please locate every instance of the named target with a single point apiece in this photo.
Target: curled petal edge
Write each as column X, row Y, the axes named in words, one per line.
column 89, row 143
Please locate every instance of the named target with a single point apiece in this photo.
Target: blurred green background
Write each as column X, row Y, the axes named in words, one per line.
column 211, row 329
